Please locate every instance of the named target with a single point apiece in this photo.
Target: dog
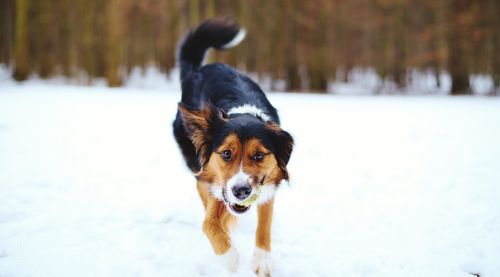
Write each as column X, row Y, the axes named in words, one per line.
column 231, row 139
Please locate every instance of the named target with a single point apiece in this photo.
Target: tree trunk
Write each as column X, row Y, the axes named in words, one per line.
column 457, row 43
column 291, row 42
column 292, row 77
column 318, row 80
column 194, row 12
column 6, row 30
column 436, row 75
column 399, row 60
column 21, row 68
column 114, row 43
column 496, row 49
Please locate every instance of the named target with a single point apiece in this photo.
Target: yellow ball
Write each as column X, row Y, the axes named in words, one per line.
column 249, row 201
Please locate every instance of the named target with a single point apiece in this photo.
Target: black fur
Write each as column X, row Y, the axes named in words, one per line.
column 209, row 34
column 219, row 88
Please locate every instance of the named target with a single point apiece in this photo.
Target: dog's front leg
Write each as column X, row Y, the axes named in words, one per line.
column 216, row 227
column 261, row 260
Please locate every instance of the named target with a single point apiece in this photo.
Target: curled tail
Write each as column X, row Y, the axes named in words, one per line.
column 215, row 33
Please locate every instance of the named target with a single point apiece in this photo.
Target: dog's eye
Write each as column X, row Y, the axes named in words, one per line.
column 226, row 155
column 258, row 156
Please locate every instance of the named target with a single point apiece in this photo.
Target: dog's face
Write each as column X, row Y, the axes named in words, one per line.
column 238, row 155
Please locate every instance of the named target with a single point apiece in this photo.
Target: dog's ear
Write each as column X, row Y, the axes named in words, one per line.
column 199, row 125
column 283, row 146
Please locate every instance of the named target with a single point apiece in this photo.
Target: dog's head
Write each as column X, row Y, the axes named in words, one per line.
column 237, row 155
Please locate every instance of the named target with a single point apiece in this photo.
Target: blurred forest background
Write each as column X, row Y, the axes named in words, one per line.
column 306, row 44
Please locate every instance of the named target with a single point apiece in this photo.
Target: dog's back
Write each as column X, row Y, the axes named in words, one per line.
column 215, row 84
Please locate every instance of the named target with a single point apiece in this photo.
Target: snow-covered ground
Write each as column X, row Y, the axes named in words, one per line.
column 92, row 184
column 361, row 81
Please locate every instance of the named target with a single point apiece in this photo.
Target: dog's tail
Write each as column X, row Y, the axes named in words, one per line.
column 217, row 33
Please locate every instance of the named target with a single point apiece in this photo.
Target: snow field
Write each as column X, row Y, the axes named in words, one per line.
column 92, row 184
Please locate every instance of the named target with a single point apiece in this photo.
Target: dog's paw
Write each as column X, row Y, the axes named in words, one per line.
column 231, row 259
column 261, row 264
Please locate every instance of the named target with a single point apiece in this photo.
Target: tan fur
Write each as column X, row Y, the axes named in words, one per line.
column 263, row 234
column 203, row 192
column 219, row 171
column 217, row 221
column 197, row 122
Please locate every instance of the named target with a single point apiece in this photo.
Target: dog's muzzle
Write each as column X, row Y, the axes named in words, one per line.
column 243, row 192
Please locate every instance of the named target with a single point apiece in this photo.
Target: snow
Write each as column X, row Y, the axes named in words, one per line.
column 92, row 184
column 366, row 81
column 361, row 81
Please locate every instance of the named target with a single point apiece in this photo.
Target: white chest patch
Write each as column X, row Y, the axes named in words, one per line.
column 249, row 109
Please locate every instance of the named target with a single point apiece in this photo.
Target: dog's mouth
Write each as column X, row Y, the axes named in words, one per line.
column 238, row 209
column 245, row 205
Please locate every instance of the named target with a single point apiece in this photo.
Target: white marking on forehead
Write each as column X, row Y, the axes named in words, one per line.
column 238, row 178
column 249, row 109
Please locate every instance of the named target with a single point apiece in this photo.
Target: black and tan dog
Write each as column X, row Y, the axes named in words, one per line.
column 231, row 140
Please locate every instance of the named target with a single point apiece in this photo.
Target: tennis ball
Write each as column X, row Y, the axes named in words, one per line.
column 250, row 200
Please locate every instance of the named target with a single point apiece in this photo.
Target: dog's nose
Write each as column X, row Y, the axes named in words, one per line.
column 242, row 191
